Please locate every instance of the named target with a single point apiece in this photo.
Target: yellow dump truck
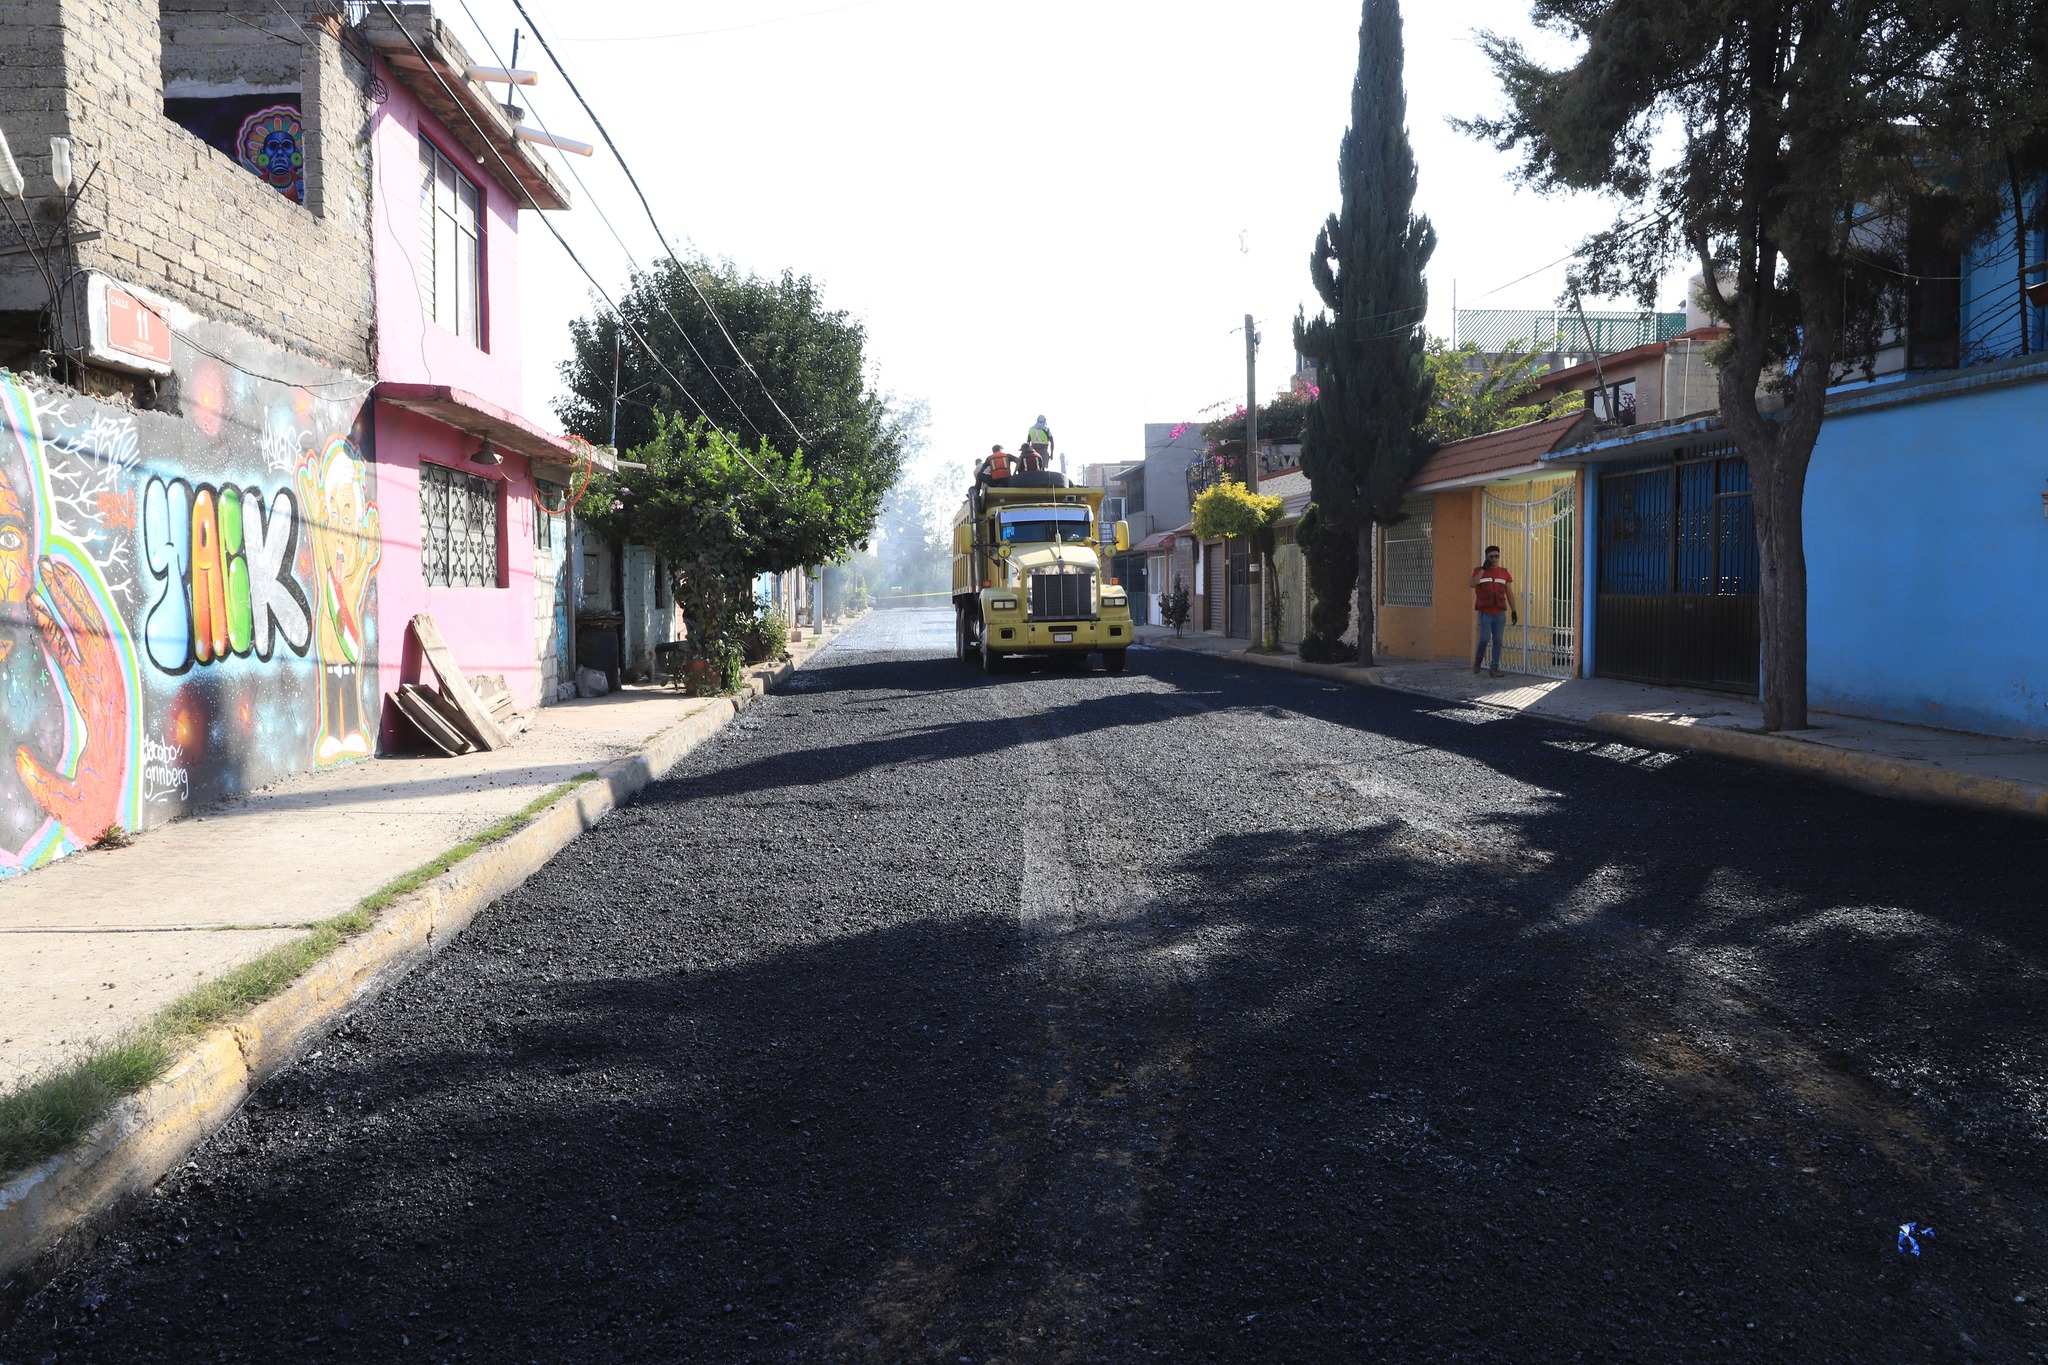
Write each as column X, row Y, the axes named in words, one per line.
column 1028, row 573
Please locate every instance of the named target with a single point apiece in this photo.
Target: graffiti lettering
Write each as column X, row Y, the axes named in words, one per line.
column 225, row 570
column 164, row 773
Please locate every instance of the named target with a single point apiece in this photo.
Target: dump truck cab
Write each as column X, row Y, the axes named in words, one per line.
column 1028, row 573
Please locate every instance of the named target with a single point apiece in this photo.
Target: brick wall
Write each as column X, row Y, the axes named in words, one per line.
column 176, row 215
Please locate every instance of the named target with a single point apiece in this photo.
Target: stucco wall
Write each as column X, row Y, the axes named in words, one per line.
column 410, row 348
column 489, row 630
column 1444, row 629
column 1925, row 539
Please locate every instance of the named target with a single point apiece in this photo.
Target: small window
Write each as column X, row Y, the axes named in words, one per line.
column 1410, row 551
column 458, row 529
column 451, row 264
column 1616, row 405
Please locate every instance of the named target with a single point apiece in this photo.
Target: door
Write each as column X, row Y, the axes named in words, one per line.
column 1677, row 600
column 1240, row 617
column 1534, row 526
column 1212, row 587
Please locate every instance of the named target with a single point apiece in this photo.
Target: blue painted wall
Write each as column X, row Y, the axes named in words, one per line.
column 1927, row 552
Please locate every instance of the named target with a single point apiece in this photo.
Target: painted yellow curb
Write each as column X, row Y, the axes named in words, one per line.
column 1867, row 772
column 50, row 1213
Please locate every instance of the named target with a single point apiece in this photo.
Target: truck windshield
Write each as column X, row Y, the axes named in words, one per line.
column 1045, row 523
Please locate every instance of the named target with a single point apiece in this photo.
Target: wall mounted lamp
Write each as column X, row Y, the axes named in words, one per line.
column 487, row 454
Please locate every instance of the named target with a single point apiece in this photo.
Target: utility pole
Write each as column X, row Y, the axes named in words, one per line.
column 1251, row 405
column 615, row 388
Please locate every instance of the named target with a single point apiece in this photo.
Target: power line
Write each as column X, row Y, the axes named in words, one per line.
column 661, row 236
column 605, row 218
column 512, row 178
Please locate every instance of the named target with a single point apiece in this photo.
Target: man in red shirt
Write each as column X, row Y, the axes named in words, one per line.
column 1493, row 595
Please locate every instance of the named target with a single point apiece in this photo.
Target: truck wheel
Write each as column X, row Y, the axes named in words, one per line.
column 963, row 639
column 991, row 662
column 1113, row 661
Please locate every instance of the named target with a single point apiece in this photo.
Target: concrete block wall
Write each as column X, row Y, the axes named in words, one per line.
column 177, row 216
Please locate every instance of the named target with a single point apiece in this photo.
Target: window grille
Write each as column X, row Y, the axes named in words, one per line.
column 458, row 528
column 1410, row 554
column 451, row 255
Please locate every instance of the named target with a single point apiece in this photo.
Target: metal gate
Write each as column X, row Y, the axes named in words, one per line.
column 1534, row 527
column 1240, row 616
column 1678, row 574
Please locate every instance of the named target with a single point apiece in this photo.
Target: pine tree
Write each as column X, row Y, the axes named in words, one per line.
column 1363, row 437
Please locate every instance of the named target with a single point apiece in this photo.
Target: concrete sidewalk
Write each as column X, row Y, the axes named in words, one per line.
column 1948, row 766
column 98, row 943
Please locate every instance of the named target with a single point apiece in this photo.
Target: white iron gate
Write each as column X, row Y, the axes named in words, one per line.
column 1537, row 534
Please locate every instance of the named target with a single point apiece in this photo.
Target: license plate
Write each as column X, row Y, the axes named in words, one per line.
column 1063, row 637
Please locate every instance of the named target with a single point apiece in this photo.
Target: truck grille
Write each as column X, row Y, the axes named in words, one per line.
column 1062, row 595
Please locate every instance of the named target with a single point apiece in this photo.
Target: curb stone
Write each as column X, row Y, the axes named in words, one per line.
column 1897, row 778
column 52, row 1213
column 1872, row 773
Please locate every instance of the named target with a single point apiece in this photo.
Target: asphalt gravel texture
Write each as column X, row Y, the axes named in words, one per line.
column 1205, row 1012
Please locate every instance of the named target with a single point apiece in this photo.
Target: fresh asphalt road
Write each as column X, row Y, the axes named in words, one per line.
column 1203, row 1012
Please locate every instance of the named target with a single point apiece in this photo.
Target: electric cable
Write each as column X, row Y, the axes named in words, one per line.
column 632, row 263
column 512, row 177
column 661, row 236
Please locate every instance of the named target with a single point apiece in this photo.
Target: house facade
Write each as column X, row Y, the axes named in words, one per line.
column 228, row 399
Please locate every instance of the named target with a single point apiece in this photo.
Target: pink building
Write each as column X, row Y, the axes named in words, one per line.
column 470, row 492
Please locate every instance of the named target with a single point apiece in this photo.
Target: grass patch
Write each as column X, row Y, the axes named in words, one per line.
column 48, row 1113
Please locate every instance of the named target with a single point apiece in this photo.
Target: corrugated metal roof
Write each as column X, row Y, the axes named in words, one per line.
column 1497, row 452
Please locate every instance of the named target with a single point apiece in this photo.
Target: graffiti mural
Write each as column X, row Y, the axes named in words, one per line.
column 185, row 610
column 346, row 547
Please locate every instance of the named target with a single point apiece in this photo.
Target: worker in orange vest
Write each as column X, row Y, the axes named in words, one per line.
column 998, row 464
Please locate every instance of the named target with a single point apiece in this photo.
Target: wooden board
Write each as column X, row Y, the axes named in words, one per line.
column 476, row 722
column 412, row 704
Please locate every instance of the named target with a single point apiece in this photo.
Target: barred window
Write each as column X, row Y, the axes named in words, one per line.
column 458, row 528
column 1410, row 554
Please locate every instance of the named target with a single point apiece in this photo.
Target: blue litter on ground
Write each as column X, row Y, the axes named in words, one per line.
column 1909, row 1242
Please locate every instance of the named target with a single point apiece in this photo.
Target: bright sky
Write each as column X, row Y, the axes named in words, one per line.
column 1066, row 207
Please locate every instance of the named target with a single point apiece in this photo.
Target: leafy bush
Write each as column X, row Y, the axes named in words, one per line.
column 765, row 638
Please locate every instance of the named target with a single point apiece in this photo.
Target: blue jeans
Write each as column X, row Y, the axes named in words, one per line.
column 1493, row 626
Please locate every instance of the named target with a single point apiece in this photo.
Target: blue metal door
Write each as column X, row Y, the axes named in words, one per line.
column 1677, row 597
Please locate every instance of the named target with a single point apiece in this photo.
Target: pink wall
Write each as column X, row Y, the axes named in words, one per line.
column 409, row 348
column 490, row 630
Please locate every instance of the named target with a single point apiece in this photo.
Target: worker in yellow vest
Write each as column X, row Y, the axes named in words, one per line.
column 1038, row 445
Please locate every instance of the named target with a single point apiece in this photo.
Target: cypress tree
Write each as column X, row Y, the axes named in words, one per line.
column 1363, row 437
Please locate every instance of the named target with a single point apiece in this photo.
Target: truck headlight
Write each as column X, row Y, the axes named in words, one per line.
column 1002, row 604
column 1118, row 600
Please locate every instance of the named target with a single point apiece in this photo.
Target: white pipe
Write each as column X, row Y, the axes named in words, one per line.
column 501, row 75
column 560, row 144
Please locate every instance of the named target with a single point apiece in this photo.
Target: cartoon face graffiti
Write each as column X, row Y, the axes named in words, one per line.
column 55, row 603
column 271, row 146
column 342, row 527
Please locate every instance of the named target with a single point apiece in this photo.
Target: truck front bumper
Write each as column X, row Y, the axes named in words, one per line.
column 1030, row 637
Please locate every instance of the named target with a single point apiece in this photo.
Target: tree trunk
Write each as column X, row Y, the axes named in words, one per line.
column 1365, row 610
column 1779, row 501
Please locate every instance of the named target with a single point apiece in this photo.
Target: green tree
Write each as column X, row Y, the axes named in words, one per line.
column 1229, row 509
column 1792, row 128
column 1364, row 436
column 802, row 359
column 1476, row 393
column 719, row 515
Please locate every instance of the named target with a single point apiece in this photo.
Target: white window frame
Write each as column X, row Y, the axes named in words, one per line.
column 451, row 246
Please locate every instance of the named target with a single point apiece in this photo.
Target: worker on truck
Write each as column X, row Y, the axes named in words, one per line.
column 996, row 468
column 1038, row 445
